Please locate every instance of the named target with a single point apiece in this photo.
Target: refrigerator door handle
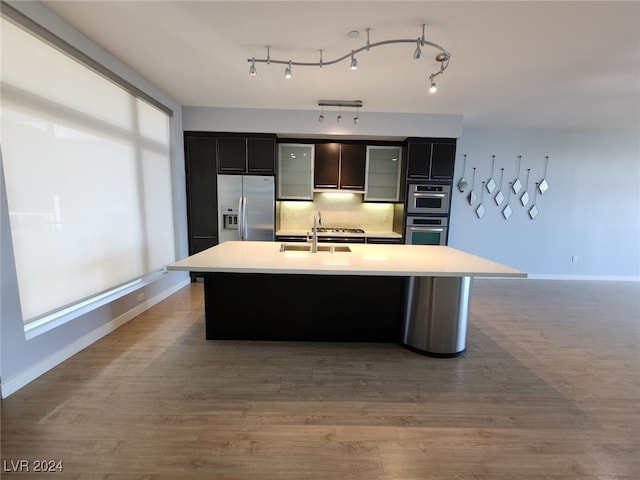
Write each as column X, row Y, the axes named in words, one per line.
column 240, row 220
column 245, row 220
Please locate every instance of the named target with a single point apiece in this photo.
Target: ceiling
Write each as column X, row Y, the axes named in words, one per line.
column 539, row 64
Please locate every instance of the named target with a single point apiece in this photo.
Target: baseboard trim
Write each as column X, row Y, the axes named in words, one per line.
column 590, row 278
column 578, row 278
column 15, row 383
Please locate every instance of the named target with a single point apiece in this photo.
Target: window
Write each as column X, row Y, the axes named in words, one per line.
column 87, row 169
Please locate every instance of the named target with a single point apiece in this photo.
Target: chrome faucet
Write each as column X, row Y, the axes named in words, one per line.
column 317, row 220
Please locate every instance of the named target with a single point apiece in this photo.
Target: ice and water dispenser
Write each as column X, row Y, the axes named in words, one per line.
column 229, row 218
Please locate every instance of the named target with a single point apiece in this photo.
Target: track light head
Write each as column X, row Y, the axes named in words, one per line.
column 321, row 118
column 354, row 62
column 417, row 55
column 356, row 119
column 252, row 70
column 287, row 71
column 433, row 88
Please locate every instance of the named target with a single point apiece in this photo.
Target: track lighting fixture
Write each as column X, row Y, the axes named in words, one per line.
column 340, row 103
column 442, row 57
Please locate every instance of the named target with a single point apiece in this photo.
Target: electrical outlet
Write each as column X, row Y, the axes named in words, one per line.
column 574, row 258
column 140, row 297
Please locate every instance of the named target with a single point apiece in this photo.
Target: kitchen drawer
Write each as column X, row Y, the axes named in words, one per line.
column 385, row 240
column 290, row 238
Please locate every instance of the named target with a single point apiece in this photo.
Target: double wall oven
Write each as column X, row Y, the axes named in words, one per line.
column 427, row 213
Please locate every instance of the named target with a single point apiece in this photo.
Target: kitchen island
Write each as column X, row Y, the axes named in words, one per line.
column 415, row 295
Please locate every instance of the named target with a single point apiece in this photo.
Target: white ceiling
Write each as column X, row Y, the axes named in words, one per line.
column 539, row 64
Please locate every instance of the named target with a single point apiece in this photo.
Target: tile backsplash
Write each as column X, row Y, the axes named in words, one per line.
column 346, row 210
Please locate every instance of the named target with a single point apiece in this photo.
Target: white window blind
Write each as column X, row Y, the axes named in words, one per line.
column 87, row 172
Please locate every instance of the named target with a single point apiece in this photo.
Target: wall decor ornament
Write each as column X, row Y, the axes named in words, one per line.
column 507, row 211
column 524, row 199
column 533, row 211
column 499, row 198
column 491, row 184
column 544, row 186
column 517, row 185
column 480, row 211
column 462, row 183
column 472, row 194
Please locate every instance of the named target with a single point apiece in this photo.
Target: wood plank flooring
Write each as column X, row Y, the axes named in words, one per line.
column 548, row 389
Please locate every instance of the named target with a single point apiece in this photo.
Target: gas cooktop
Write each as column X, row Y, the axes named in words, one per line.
column 340, row 230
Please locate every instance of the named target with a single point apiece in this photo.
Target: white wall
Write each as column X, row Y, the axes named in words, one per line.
column 591, row 210
column 20, row 360
column 298, row 123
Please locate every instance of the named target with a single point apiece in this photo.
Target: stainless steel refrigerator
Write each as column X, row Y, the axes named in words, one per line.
column 246, row 207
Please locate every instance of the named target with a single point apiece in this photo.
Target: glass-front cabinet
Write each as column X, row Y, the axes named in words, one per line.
column 295, row 171
column 383, row 172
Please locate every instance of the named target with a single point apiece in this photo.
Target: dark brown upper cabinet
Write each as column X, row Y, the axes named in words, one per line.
column 339, row 166
column 261, row 155
column 326, row 165
column 246, row 155
column 431, row 159
column 353, row 162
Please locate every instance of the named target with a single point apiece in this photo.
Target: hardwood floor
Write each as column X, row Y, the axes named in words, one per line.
column 548, row 389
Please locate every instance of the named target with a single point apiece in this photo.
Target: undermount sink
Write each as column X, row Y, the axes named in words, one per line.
column 295, row 247
column 333, row 248
column 306, row 247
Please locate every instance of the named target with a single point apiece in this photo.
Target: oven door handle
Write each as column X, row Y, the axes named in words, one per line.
column 437, row 195
column 426, row 229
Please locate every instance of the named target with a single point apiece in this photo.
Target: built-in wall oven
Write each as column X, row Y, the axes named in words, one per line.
column 426, row 230
column 423, row 198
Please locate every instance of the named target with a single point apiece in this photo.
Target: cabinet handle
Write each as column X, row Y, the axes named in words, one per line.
column 361, row 187
column 261, row 169
column 335, row 185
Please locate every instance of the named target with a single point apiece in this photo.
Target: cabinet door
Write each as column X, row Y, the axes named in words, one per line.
column 443, row 158
column 232, row 155
column 295, row 171
column 326, row 165
column 383, row 174
column 418, row 160
column 200, row 155
column 261, row 155
column 353, row 159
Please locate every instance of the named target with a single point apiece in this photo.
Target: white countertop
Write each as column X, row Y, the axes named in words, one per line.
column 364, row 259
